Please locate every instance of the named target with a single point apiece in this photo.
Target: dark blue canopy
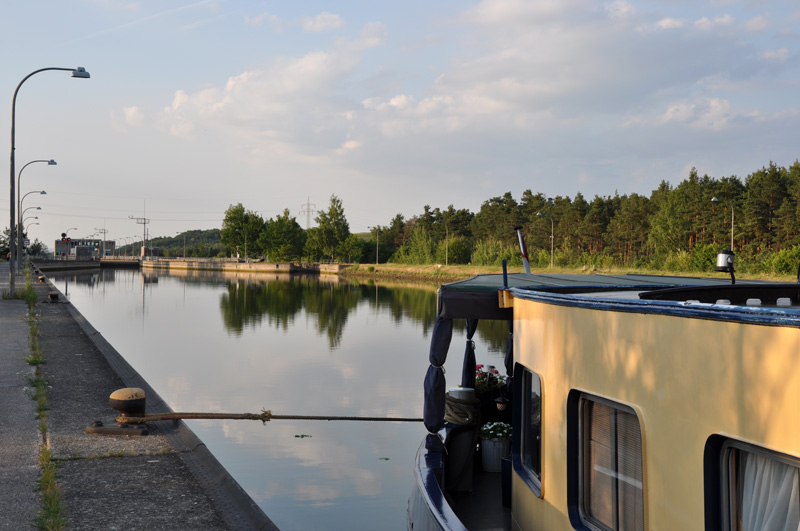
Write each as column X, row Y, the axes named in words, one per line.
column 477, row 298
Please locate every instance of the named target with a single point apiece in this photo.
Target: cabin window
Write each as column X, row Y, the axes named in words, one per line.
column 527, row 433
column 760, row 489
column 610, row 484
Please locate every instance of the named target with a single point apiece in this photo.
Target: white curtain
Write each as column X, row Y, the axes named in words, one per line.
column 768, row 494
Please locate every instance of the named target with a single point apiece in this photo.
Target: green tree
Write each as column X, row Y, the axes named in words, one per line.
column 351, row 248
column 333, row 228
column 626, row 233
column 282, row 238
column 241, row 230
column 418, row 249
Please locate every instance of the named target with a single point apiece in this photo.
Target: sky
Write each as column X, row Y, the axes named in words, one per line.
column 194, row 106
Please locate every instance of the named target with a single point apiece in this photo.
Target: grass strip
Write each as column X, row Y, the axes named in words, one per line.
column 50, row 517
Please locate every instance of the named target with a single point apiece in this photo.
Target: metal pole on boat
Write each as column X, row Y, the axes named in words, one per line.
column 523, row 249
column 730, row 204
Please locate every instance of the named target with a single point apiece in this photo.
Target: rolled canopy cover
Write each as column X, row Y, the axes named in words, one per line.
column 468, row 370
column 509, row 359
column 433, row 411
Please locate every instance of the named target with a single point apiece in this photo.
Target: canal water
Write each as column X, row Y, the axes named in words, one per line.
column 295, row 345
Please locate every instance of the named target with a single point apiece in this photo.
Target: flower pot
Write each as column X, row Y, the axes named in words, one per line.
column 492, row 451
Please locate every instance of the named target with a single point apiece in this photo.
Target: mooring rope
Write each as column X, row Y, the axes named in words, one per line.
column 265, row 416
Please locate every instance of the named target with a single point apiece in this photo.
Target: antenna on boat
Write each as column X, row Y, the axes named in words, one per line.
column 725, row 263
column 523, row 250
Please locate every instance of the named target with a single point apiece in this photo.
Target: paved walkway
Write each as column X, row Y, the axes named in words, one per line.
column 167, row 480
column 19, row 429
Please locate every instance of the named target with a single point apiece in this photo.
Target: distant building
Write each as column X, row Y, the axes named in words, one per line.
column 67, row 249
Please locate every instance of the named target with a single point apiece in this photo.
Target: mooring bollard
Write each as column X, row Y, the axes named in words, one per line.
column 130, row 402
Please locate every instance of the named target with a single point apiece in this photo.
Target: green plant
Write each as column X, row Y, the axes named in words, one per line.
column 496, row 430
column 486, row 380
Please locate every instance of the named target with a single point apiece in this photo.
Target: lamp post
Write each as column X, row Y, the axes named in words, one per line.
column 243, row 231
column 29, row 208
column 49, row 162
column 20, row 228
column 730, row 204
column 552, row 234
column 79, row 72
column 103, row 243
column 19, row 222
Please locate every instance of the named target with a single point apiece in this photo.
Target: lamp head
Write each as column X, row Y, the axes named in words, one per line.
column 80, row 72
column 43, row 192
column 714, row 200
column 51, row 162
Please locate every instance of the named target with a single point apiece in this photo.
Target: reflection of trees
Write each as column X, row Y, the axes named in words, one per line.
column 248, row 303
column 331, row 304
column 278, row 302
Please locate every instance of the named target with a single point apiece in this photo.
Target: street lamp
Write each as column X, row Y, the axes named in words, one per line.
column 29, row 208
column 730, row 204
column 50, row 162
column 243, row 231
column 20, row 228
column 552, row 235
column 80, row 73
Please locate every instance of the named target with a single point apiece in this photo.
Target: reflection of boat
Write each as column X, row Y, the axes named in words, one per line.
column 639, row 402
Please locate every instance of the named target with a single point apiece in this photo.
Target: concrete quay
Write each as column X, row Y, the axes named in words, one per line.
column 167, row 480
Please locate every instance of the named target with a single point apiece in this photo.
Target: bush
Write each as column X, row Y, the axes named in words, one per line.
column 492, row 253
column 677, row 261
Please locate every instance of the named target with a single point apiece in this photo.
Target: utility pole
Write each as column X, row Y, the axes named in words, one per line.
column 103, row 245
column 143, row 222
column 308, row 209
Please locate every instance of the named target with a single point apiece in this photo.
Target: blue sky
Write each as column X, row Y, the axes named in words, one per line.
column 194, row 106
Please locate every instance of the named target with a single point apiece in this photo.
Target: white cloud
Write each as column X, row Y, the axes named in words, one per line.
column 620, row 10
column 711, row 114
column 776, row 56
column 669, row 23
column 133, row 116
column 322, row 22
column 518, row 12
column 348, row 146
column 757, row 24
column 707, row 24
column 259, row 20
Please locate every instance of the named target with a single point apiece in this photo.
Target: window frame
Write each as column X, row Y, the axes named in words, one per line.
column 725, row 475
column 520, row 421
column 576, row 455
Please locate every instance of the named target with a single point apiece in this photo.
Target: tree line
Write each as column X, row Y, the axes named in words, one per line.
column 677, row 228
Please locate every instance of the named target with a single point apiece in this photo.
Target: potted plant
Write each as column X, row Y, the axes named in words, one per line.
column 495, row 443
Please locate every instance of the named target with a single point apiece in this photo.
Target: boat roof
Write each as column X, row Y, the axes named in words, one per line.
column 476, row 297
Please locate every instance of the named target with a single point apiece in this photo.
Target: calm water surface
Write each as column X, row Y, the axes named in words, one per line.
column 293, row 345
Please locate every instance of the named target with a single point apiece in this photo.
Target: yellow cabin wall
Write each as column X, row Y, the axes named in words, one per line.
column 687, row 379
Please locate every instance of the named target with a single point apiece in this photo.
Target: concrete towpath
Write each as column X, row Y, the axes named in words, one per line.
column 167, row 480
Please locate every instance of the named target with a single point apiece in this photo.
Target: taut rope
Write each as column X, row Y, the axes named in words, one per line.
column 265, row 416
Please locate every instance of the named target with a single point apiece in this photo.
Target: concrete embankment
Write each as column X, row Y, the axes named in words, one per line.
column 239, row 267
column 167, row 480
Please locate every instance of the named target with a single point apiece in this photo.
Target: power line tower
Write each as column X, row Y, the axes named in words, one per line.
column 308, row 209
column 143, row 222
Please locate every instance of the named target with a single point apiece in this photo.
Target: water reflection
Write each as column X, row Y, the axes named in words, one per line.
column 294, row 345
column 250, row 300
